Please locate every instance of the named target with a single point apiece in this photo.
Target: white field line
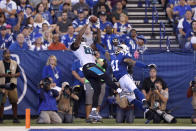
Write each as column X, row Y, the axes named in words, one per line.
column 22, row 128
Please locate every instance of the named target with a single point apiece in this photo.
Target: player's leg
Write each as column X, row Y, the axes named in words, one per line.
column 119, row 115
column 97, row 89
column 129, row 114
column 101, row 96
column 127, row 82
column 92, row 75
column 109, row 81
column 88, row 99
column 44, row 118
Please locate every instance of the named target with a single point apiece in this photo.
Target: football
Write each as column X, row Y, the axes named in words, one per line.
column 93, row 19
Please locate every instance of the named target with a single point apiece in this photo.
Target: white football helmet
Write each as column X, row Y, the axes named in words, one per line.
column 122, row 48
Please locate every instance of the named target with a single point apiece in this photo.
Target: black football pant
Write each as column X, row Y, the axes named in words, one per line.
column 94, row 75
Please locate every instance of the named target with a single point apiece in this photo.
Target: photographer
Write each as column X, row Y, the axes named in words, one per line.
column 47, row 105
column 124, row 110
column 149, row 81
column 65, row 105
column 158, row 97
column 9, row 71
column 192, row 93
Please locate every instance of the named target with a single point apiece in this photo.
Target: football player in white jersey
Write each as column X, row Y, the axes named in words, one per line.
column 91, row 71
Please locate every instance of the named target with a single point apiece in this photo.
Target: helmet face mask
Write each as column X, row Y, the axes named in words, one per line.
column 122, row 49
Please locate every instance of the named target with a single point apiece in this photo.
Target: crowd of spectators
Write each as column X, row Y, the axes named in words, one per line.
column 38, row 25
column 181, row 15
column 53, row 24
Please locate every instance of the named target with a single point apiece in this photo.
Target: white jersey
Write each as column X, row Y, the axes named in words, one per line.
column 85, row 54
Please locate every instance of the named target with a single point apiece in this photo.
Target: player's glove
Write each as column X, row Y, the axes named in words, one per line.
column 88, row 21
column 97, row 24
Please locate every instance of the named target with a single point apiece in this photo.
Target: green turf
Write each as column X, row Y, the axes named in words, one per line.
column 106, row 122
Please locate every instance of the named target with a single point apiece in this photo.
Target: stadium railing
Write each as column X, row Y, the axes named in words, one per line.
column 162, row 33
column 155, row 17
column 147, row 5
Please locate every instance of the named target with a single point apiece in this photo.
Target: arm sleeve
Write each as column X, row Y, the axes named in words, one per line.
column 100, row 48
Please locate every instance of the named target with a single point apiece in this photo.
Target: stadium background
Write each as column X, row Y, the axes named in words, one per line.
column 176, row 68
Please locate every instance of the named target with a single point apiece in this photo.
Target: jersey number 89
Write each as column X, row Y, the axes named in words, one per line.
column 88, row 50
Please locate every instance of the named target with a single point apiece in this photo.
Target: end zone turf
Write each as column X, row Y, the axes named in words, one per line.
column 100, row 128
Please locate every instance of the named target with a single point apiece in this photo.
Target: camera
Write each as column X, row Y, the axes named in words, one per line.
column 66, row 86
column 193, row 84
column 76, row 89
column 153, row 87
column 45, row 84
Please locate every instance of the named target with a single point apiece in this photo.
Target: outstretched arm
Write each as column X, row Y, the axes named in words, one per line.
column 135, row 63
column 107, row 55
column 129, row 61
column 76, row 44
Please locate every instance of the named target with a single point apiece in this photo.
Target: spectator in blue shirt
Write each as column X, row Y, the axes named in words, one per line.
column 181, row 9
column 45, row 13
column 52, row 70
column 91, row 3
column 183, row 26
column 191, row 32
column 131, row 41
column 79, row 22
column 28, row 11
column 170, row 6
column 47, row 103
column 22, row 6
column 107, row 39
column 25, row 31
column 69, row 38
column 5, row 38
column 103, row 21
column 19, row 44
column 77, row 73
column 123, row 27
